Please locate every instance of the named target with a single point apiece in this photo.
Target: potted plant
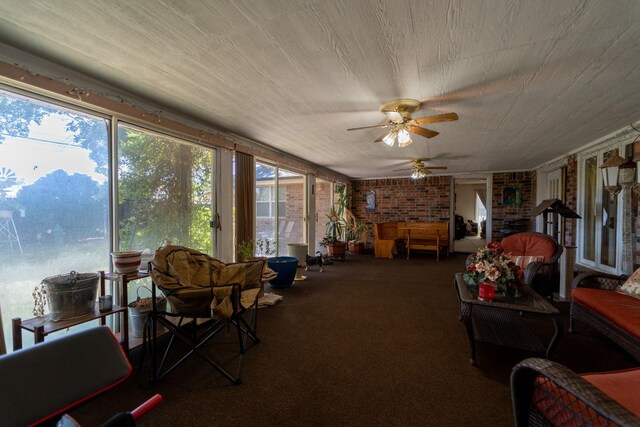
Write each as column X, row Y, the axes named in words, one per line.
column 356, row 234
column 246, row 250
column 250, row 250
column 335, row 227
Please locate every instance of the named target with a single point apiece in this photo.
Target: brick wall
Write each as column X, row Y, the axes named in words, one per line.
column 403, row 199
column 526, row 183
column 571, row 198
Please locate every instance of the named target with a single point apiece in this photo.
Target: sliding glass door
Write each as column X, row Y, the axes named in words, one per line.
column 291, row 198
column 280, row 207
column 324, row 198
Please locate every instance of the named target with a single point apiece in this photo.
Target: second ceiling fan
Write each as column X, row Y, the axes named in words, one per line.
column 418, row 168
column 401, row 124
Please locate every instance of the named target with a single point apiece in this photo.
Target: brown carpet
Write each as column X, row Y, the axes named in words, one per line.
column 367, row 342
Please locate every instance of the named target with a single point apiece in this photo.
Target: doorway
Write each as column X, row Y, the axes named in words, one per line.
column 470, row 214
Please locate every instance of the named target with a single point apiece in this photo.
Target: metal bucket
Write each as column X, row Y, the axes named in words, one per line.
column 139, row 311
column 71, row 295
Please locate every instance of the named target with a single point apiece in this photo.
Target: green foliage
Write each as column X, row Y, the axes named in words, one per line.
column 17, row 114
column 266, row 247
column 164, row 192
column 334, row 227
column 355, row 231
column 62, row 208
column 246, row 249
column 343, row 199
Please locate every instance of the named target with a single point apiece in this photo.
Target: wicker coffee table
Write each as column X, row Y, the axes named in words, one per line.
column 502, row 321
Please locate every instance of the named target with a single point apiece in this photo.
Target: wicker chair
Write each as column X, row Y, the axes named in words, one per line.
column 545, row 393
column 540, row 275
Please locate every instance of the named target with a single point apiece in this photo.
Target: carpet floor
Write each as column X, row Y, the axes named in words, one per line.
column 367, row 342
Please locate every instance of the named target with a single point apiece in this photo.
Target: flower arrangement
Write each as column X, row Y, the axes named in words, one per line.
column 491, row 264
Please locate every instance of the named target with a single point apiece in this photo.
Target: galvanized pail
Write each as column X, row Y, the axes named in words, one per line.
column 71, row 295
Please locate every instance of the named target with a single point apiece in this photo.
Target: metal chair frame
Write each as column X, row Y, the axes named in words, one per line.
column 244, row 320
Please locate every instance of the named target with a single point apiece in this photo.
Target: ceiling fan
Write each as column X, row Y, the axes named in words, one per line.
column 401, row 123
column 419, row 170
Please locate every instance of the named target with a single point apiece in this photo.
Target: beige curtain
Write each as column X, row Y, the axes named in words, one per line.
column 245, row 198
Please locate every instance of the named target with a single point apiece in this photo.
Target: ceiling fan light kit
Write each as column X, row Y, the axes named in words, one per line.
column 404, row 138
column 402, row 124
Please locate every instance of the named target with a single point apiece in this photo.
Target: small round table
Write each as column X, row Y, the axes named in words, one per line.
column 299, row 250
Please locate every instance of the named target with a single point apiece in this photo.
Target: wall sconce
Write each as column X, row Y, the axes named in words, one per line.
column 610, row 173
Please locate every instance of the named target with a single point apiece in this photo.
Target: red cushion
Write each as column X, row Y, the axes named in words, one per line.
column 560, row 407
column 622, row 310
column 528, row 244
column 621, row 386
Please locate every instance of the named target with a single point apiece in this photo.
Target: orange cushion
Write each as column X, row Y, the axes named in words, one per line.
column 526, row 244
column 562, row 408
column 622, row 310
column 622, row 386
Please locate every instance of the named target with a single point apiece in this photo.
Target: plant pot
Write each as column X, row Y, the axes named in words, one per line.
column 356, row 247
column 126, row 262
column 71, row 295
column 286, row 267
column 337, row 250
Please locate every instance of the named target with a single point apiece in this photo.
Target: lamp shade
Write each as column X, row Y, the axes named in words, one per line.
column 404, row 138
column 390, row 138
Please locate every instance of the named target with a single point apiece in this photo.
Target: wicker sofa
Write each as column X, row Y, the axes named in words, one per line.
column 594, row 301
column 545, row 393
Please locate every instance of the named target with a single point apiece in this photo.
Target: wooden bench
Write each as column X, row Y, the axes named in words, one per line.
column 422, row 239
column 433, row 236
column 386, row 236
column 422, row 235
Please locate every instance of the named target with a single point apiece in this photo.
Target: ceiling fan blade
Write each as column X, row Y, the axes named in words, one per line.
column 447, row 117
column 381, row 137
column 435, row 167
column 427, row 133
column 372, row 127
column 402, row 170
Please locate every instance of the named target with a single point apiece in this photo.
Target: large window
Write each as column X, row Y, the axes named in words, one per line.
column 53, row 198
column 280, row 204
column 164, row 191
column 324, row 197
column 600, row 216
column 290, row 219
column 266, row 200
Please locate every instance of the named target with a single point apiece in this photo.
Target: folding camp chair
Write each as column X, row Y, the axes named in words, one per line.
column 205, row 296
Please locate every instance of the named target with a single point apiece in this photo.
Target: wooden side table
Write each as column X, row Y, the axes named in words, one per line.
column 41, row 326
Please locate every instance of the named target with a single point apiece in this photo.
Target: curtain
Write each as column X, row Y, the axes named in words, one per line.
column 482, row 195
column 245, row 198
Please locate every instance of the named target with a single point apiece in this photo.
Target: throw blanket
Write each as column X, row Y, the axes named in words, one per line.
column 197, row 284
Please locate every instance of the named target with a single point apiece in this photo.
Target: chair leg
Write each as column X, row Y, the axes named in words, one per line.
column 245, row 327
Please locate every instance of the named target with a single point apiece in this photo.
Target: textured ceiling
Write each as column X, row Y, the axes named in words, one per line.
column 530, row 80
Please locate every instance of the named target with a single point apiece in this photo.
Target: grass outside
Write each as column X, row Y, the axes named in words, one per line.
column 21, row 273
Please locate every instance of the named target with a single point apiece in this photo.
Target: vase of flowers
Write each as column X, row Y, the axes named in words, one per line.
column 491, row 265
